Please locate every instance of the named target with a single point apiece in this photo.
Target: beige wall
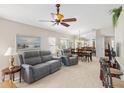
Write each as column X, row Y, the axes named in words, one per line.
column 9, row 30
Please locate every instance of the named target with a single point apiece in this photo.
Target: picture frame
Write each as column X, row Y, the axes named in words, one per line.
column 24, row 43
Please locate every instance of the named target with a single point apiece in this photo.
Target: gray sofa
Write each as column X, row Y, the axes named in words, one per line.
column 68, row 59
column 37, row 64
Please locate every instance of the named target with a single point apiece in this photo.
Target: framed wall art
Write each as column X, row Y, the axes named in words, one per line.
column 24, row 43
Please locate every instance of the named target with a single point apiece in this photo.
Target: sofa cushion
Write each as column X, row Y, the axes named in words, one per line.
column 43, row 53
column 40, row 70
column 32, row 60
column 31, row 54
column 54, row 65
column 32, row 57
column 46, row 58
column 54, row 62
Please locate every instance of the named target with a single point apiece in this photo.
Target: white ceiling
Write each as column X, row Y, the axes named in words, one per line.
column 88, row 16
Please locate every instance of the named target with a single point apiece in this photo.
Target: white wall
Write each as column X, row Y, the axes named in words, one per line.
column 119, row 33
column 108, row 31
column 99, row 44
column 103, row 37
column 90, row 35
column 119, row 39
column 9, row 30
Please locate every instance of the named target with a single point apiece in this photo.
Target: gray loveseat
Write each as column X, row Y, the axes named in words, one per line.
column 37, row 64
column 68, row 59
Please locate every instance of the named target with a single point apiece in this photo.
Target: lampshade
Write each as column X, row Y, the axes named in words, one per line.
column 10, row 52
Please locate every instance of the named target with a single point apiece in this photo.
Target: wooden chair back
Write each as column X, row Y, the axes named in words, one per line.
column 107, row 78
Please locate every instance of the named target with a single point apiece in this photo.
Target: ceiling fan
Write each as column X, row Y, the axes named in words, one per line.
column 59, row 18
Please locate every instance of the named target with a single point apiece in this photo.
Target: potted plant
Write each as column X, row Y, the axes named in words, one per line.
column 115, row 15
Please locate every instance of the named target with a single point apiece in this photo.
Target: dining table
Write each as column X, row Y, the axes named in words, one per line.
column 84, row 54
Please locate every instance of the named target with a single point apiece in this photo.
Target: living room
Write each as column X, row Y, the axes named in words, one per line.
column 72, row 42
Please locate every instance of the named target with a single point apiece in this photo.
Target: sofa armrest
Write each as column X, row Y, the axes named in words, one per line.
column 57, row 58
column 27, row 73
column 26, row 66
column 65, row 60
column 21, row 59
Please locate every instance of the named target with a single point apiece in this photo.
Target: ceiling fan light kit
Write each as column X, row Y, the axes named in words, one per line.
column 59, row 18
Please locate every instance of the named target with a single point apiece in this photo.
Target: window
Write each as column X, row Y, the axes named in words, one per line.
column 113, row 43
column 65, row 43
column 52, row 44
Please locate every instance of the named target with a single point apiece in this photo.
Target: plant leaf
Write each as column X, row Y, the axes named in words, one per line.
column 116, row 13
column 114, row 20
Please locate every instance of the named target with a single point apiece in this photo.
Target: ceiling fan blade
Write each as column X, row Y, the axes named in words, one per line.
column 69, row 20
column 54, row 24
column 46, row 21
column 65, row 24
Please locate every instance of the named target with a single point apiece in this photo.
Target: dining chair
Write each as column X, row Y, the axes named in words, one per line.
column 109, row 81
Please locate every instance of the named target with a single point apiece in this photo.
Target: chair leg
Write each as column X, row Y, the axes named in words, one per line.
column 85, row 58
column 88, row 58
column 91, row 57
column 82, row 59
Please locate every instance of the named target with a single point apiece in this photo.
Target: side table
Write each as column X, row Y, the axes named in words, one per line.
column 11, row 73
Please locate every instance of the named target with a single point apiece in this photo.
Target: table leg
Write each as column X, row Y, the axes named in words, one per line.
column 10, row 76
column 20, row 77
column 13, row 77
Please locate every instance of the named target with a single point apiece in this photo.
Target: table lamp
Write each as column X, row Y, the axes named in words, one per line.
column 11, row 52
